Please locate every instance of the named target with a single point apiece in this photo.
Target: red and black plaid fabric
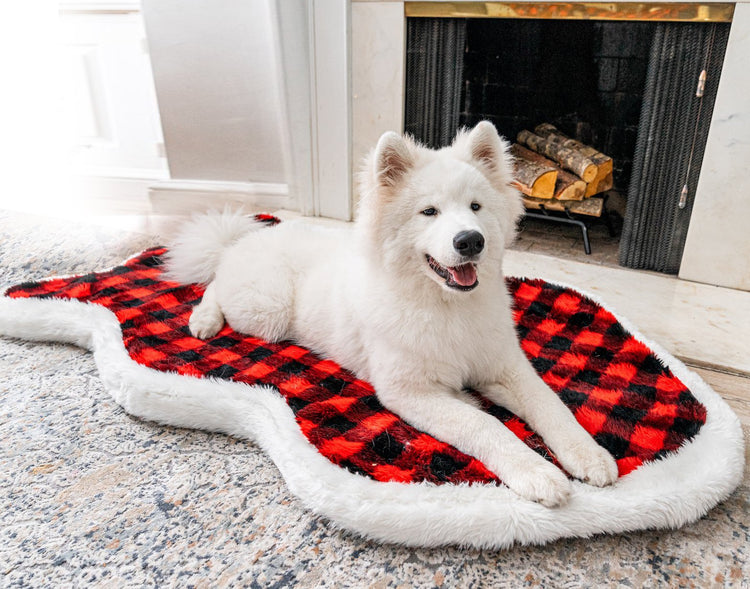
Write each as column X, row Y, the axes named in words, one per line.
column 618, row 390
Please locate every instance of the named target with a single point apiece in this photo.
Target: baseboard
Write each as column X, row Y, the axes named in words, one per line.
column 177, row 197
column 112, row 194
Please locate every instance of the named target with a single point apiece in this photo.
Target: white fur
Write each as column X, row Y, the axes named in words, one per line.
column 666, row 493
column 368, row 299
column 202, row 241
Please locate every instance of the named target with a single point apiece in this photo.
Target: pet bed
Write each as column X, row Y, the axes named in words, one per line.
column 678, row 446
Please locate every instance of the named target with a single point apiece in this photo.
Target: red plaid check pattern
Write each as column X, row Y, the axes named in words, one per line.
column 617, row 389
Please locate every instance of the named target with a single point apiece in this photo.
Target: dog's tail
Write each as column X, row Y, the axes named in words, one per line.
column 196, row 248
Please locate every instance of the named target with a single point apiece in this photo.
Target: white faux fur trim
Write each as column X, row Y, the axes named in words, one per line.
column 666, row 493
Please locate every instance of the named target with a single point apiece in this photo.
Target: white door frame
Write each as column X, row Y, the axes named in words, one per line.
column 313, row 44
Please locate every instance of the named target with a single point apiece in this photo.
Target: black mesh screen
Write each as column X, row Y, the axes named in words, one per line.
column 434, row 75
column 674, row 122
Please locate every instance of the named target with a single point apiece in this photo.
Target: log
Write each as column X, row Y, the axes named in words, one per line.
column 599, row 184
column 603, row 179
column 568, row 158
column 534, row 174
column 592, row 207
column 569, row 186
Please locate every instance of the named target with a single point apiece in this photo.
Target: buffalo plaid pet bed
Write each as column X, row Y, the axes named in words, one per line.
column 678, row 447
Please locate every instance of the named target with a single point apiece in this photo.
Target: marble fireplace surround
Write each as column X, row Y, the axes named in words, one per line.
column 717, row 250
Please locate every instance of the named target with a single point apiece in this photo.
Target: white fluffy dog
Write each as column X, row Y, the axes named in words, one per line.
column 411, row 299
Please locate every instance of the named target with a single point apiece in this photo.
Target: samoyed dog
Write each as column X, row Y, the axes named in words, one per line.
column 411, row 298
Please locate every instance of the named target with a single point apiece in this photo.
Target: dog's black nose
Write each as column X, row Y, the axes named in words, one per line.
column 468, row 243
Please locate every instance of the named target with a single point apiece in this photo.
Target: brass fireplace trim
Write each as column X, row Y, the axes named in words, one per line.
column 658, row 11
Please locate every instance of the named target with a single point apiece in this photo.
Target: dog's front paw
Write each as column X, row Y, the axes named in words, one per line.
column 541, row 481
column 205, row 325
column 590, row 463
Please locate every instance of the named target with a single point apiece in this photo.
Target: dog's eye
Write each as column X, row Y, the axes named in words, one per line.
column 475, row 206
column 430, row 211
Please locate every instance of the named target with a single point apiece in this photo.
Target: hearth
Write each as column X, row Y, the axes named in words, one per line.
column 641, row 92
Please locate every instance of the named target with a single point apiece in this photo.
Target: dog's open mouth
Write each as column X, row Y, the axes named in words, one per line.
column 463, row 277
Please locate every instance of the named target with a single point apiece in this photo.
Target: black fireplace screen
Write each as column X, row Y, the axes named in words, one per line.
column 672, row 137
column 434, row 78
column 627, row 88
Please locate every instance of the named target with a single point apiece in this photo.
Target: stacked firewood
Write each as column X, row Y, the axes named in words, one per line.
column 549, row 165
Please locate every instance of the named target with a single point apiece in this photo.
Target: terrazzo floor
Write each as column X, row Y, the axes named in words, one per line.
column 92, row 497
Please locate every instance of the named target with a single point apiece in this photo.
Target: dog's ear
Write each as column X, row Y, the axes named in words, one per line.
column 393, row 158
column 489, row 153
column 486, row 147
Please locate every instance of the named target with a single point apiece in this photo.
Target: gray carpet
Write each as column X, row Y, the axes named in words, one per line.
column 90, row 496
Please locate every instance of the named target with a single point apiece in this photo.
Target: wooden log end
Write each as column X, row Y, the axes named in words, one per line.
column 601, row 184
column 589, row 173
column 543, row 186
column 573, row 191
column 534, row 175
column 606, row 167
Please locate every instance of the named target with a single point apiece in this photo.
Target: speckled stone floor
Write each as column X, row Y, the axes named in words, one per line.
column 92, row 497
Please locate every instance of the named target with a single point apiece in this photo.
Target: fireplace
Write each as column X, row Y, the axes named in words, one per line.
column 641, row 91
column 717, row 246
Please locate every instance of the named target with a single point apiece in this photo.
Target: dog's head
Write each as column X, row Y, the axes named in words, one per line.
column 446, row 214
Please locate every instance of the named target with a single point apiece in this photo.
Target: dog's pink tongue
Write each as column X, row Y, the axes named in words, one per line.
column 465, row 274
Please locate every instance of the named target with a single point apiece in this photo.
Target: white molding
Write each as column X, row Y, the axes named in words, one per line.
column 99, row 6
column 329, row 25
column 185, row 196
column 313, row 46
column 119, row 172
column 292, row 51
column 122, row 192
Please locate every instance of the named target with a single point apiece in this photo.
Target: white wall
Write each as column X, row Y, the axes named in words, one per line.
column 214, row 68
column 378, row 63
column 717, row 249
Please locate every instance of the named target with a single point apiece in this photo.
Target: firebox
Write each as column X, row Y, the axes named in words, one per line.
column 636, row 83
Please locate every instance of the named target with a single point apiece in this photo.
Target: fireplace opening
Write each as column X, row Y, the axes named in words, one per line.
column 626, row 89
